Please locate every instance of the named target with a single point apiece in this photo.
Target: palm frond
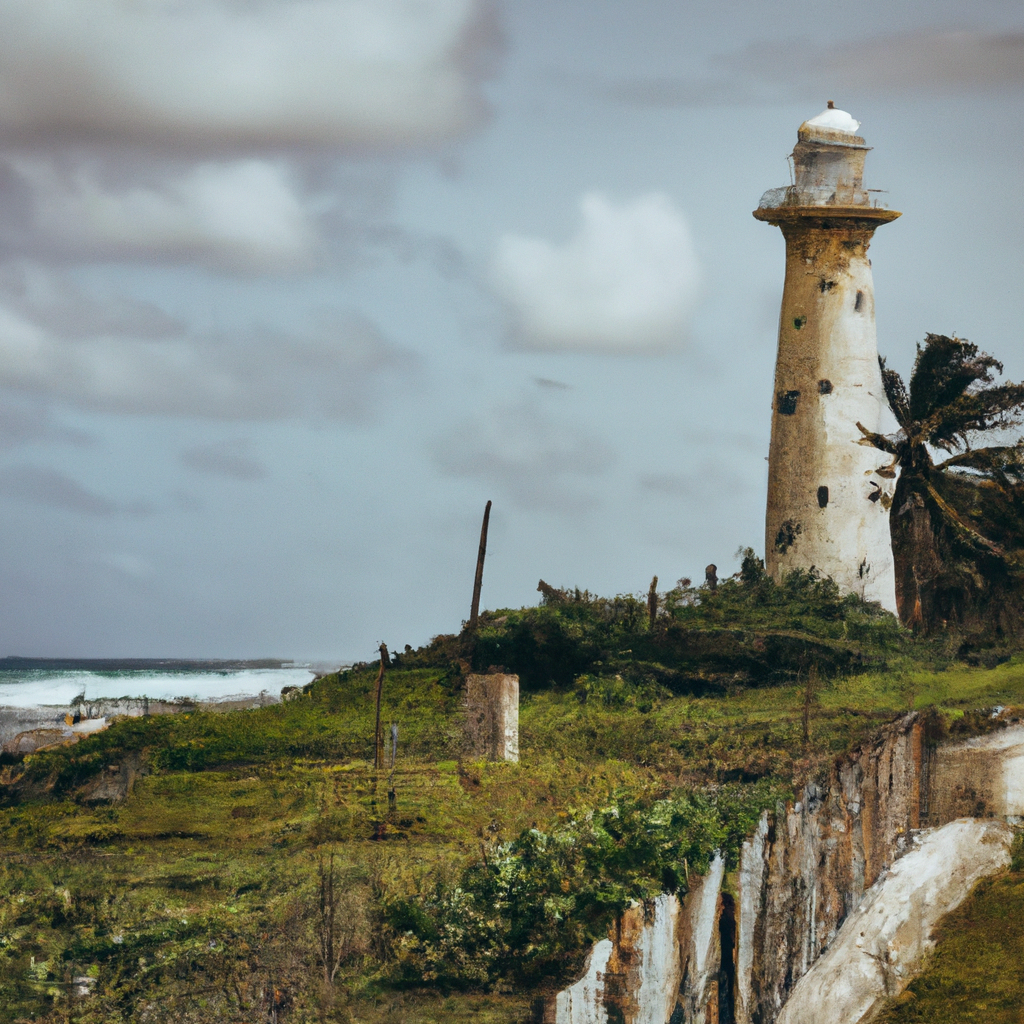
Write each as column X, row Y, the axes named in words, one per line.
column 885, row 443
column 895, row 393
column 999, row 459
column 949, row 427
column 944, row 370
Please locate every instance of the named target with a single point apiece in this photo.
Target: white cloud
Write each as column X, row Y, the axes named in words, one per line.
column 626, row 282
column 242, row 214
column 132, row 367
column 357, row 74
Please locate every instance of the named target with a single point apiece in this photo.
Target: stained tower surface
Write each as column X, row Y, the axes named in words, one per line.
column 828, row 495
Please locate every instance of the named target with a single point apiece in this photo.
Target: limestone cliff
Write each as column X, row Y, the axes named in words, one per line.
column 803, row 874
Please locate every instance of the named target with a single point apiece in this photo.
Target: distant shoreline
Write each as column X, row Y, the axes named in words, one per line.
column 14, row 663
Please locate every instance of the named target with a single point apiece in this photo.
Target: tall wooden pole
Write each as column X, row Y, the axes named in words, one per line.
column 479, row 581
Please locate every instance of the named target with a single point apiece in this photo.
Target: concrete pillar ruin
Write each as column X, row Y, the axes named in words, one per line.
column 491, row 728
column 828, row 495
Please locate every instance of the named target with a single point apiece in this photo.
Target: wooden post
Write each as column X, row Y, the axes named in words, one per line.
column 652, row 602
column 378, row 746
column 478, row 582
column 809, row 691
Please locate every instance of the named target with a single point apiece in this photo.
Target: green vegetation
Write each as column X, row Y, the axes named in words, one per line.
column 260, row 869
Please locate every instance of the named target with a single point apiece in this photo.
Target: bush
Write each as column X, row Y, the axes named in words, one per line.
column 529, row 910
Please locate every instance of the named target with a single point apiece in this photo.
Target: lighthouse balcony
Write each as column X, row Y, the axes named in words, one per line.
column 827, row 195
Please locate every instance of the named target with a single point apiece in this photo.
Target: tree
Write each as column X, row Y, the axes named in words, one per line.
column 957, row 525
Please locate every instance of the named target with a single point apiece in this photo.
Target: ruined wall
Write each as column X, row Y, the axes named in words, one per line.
column 660, row 962
column 491, row 725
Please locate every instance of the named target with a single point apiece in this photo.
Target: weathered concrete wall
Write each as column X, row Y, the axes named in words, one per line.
column 828, row 506
column 883, row 944
column 983, row 776
column 491, row 728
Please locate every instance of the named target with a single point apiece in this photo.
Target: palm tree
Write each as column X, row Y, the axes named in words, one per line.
column 957, row 525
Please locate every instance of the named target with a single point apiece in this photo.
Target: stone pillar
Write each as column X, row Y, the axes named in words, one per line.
column 828, row 495
column 492, row 717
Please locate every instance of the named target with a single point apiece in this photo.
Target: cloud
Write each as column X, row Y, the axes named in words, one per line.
column 54, row 304
column 626, row 282
column 225, row 458
column 329, row 370
column 242, row 215
column 795, row 68
column 25, row 422
column 42, row 486
column 360, row 75
column 539, row 462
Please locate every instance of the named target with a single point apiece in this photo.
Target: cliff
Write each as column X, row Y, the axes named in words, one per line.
column 782, row 940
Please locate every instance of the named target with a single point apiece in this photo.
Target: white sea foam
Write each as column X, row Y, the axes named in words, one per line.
column 43, row 688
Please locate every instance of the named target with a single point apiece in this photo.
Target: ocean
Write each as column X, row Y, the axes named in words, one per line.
column 38, row 693
column 30, row 682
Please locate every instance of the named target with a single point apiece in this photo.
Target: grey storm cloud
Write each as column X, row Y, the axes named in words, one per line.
column 244, row 215
column 42, row 486
column 359, row 75
column 771, row 72
column 26, row 422
column 141, row 364
column 232, row 459
column 537, row 460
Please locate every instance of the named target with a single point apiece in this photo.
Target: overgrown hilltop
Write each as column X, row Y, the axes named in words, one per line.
column 747, row 631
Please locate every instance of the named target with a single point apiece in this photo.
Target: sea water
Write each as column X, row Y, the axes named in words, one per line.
column 36, row 694
column 25, row 687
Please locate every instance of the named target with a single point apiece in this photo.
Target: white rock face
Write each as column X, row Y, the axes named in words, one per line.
column 882, row 944
column 702, row 910
column 658, row 947
column 751, row 885
column 583, row 1003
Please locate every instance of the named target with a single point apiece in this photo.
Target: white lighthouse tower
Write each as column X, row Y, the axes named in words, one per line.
column 828, row 503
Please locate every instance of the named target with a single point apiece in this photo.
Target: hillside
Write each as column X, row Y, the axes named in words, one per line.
column 209, row 893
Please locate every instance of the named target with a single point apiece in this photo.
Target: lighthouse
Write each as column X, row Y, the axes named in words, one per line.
column 828, row 494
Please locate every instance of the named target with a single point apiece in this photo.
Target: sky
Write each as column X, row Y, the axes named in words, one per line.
column 290, row 288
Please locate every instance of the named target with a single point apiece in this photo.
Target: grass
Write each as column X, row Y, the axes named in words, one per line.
column 197, row 899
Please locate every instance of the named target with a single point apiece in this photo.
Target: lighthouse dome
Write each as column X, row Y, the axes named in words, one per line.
column 837, row 120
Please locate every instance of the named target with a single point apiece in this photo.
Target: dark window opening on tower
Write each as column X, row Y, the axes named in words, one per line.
column 822, row 496
column 859, row 302
column 785, row 402
column 799, row 321
column 824, row 387
column 826, row 286
column 787, row 535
